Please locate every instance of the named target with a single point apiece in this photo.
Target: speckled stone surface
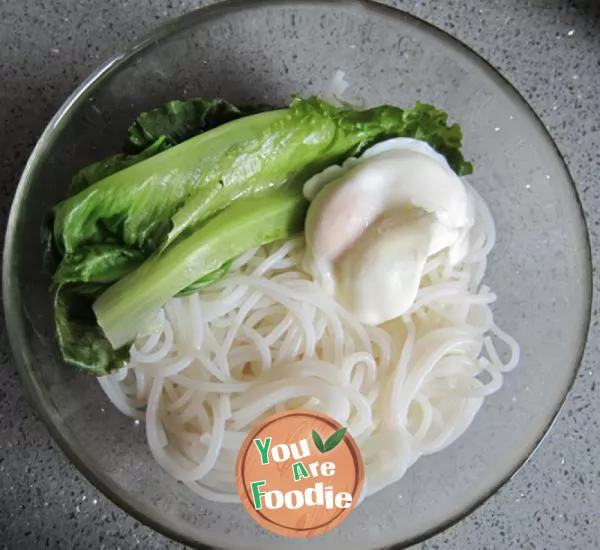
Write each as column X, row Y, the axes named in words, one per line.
column 550, row 50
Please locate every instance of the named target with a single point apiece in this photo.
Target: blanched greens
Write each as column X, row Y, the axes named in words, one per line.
column 247, row 223
column 198, row 183
column 176, row 121
column 81, row 276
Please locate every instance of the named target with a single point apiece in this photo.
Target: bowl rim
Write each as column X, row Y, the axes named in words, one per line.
column 11, row 293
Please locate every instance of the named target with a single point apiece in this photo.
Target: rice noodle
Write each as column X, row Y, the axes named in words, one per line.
column 267, row 338
column 336, row 87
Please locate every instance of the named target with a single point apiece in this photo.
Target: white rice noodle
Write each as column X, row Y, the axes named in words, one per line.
column 266, row 338
column 336, row 88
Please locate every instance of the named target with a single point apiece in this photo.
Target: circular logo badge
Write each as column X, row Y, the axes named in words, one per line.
column 299, row 473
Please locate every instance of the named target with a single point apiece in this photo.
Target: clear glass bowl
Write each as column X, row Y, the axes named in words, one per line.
column 267, row 51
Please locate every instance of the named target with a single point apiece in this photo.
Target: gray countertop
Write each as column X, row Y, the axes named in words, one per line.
column 550, row 49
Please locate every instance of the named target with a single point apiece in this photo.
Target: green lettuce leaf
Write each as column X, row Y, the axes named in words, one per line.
column 98, row 263
column 429, row 124
column 81, row 340
column 177, row 121
column 132, row 302
column 206, row 280
column 134, row 220
column 111, row 165
column 152, row 132
column 81, row 275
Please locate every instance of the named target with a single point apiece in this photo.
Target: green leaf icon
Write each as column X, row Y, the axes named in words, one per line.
column 331, row 443
column 318, row 441
column 334, row 440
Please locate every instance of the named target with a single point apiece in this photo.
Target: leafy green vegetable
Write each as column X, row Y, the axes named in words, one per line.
column 429, row 124
column 81, row 340
column 107, row 167
column 157, row 219
column 81, row 275
column 206, row 281
column 156, row 130
column 177, row 121
column 133, row 207
column 248, row 222
column 98, row 263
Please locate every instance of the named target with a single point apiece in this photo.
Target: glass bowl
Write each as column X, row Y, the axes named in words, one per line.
column 265, row 52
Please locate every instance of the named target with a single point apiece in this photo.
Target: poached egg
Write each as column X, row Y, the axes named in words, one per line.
column 374, row 221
